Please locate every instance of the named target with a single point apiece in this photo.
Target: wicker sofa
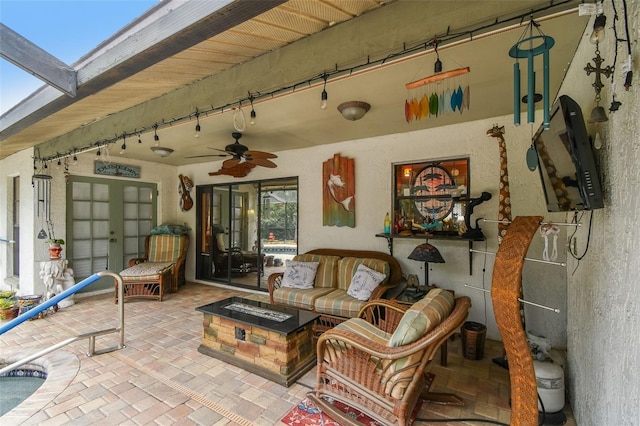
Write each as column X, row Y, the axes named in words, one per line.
column 329, row 295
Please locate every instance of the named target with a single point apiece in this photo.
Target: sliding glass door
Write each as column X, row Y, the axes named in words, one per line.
column 246, row 231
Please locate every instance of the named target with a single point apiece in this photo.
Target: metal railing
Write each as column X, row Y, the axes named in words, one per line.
column 91, row 335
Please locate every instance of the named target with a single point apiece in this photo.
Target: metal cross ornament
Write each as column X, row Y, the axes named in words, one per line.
column 598, row 70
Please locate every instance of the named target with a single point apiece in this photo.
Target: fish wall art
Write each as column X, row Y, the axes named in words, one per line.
column 338, row 192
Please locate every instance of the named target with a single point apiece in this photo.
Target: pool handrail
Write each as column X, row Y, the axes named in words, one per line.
column 91, row 335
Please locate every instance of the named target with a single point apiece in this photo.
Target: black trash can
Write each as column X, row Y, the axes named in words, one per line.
column 473, row 335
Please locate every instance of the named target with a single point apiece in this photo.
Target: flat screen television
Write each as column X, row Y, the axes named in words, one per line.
column 565, row 160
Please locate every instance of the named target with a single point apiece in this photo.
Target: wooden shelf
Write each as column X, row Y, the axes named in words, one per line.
column 435, row 236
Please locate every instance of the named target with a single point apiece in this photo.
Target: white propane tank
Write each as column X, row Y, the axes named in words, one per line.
column 550, row 380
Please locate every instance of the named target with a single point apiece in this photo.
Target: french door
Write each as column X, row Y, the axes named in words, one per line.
column 107, row 222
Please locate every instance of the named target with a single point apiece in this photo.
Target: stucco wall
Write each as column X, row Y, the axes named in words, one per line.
column 603, row 325
column 17, row 165
column 33, row 250
column 373, row 165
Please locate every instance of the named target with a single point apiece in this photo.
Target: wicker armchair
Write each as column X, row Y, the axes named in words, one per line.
column 162, row 266
column 376, row 363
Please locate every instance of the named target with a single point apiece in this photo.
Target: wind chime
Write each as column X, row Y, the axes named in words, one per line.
column 528, row 48
column 598, row 114
column 428, row 98
column 42, row 191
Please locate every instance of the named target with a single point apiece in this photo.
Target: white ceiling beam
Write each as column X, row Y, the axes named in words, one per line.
column 37, row 61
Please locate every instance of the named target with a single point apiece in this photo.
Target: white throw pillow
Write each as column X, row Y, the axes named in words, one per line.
column 364, row 281
column 299, row 274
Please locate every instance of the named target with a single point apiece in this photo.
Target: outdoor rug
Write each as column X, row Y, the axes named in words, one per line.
column 307, row 414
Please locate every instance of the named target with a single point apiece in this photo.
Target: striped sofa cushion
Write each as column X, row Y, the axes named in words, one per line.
column 339, row 303
column 326, row 272
column 165, row 248
column 347, row 267
column 299, row 298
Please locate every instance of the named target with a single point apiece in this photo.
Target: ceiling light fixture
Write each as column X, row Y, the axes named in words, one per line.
column 353, row 110
column 197, row 134
column 324, row 96
column 139, row 138
column 161, row 151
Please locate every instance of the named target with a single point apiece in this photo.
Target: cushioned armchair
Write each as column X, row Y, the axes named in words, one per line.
column 376, row 363
column 242, row 261
column 160, row 269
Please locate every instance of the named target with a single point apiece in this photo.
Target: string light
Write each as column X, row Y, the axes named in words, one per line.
column 324, row 96
column 404, row 51
column 437, row 67
column 252, row 116
column 123, row 148
column 197, row 134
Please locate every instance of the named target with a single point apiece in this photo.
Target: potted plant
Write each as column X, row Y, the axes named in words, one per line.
column 8, row 308
column 55, row 248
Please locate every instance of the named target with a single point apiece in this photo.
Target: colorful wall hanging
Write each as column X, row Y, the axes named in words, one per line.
column 429, row 97
column 338, row 192
column 528, row 48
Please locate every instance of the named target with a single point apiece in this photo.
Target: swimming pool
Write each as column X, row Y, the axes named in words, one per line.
column 18, row 385
column 61, row 367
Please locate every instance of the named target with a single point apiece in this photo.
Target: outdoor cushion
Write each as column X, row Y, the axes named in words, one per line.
column 301, row 299
column 145, row 271
column 338, row 303
column 422, row 316
column 347, row 267
column 364, row 282
column 326, row 272
column 165, row 248
column 299, row 274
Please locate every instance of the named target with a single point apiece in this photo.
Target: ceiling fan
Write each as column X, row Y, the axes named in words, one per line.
column 239, row 152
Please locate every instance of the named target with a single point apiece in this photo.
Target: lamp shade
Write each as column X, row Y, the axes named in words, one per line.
column 353, row 110
column 426, row 253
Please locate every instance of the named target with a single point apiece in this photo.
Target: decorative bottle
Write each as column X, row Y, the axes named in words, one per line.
column 387, row 224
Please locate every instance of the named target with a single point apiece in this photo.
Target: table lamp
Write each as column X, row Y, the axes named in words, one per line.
column 426, row 253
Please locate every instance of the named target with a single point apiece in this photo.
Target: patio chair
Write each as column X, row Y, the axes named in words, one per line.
column 376, row 363
column 242, row 262
column 161, row 268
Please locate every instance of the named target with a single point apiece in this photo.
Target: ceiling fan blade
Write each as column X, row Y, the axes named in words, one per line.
column 222, row 150
column 263, row 162
column 208, row 155
column 259, row 154
column 232, row 162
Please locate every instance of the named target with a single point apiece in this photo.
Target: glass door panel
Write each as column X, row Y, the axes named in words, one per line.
column 110, row 220
column 230, row 231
